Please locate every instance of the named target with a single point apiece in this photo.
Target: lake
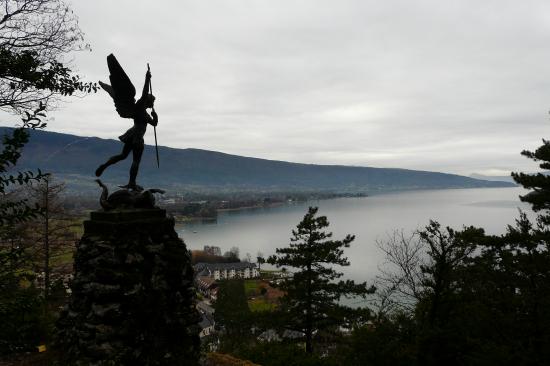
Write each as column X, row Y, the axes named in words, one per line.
column 368, row 218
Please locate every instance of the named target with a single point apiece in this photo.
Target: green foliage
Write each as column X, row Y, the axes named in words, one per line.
column 312, row 294
column 250, row 287
column 282, row 354
column 27, row 70
column 23, row 319
column 232, row 255
column 539, row 183
column 480, row 299
column 260, row 304
column 506, row 292
column 384, row 342
column 200, row 256
column 13, row 210
column 487, row 296
column 16, row 211
column 34, row 37
column 21, row 310
column 232, row 314
column 447, row 250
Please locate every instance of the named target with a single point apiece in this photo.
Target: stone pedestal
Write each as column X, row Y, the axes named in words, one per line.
column 132, row 300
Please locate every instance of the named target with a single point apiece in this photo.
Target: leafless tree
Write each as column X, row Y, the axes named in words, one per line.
column 53, row 230
column 14, row 240
column 422, row 265
column 35, row 37
column 400, row 283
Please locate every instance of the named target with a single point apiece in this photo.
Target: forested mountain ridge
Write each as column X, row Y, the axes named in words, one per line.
column 75, row 158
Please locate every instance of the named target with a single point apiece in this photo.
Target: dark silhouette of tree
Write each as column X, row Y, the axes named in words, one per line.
column 20, row 308
column 505, row 292
column 539, row 183
column 260, row 260
column 477, row 299
column 52, row 231
column 440, row 337
column 507, row 286
column 389, row 341
column 232, row 255
column 35, row 35
column 312, row 295
column 420, row 286
column 400, row 283
column 232, row 314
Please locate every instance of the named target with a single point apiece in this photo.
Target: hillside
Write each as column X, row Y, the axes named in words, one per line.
column 75, row 158
column 501, row 178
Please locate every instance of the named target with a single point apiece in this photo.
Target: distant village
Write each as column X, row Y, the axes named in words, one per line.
column 211, row 267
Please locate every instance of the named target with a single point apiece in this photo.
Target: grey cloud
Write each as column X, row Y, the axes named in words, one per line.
column 448, row 86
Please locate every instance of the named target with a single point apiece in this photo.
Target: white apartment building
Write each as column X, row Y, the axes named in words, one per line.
column 221, row 271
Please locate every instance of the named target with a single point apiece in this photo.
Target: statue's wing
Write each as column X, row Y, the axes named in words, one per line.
column 121, row 89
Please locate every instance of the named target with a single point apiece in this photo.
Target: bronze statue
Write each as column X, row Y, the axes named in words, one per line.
column 123, row 93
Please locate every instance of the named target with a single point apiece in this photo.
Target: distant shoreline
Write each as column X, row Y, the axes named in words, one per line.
column 183, row 218
column 270, row 205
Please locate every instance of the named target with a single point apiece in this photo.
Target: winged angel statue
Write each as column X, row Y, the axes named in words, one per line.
column 123, row 93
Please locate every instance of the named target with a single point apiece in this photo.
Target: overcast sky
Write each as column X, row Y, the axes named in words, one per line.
column 452, row 86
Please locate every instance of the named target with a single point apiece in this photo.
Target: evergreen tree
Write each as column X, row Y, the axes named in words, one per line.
column 501, row 290
column 477, row 299
column 508, row 284
column 439, row 312
column 232, row 314
column 539, row 183
column 312, row 295
column 505, row 292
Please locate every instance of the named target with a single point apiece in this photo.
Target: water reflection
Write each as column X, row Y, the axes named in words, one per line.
column 369, row 218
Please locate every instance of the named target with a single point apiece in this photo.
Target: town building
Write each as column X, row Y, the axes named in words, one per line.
column 207, row 325
column 222, row 271
column 207, row 286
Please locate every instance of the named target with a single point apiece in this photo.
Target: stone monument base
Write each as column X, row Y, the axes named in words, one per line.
column 132, row 301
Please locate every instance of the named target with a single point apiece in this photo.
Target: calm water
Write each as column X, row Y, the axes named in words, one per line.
column 369, row 218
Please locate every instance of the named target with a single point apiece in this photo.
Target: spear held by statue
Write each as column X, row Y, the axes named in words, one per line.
column 123, row 93
column 154, row 127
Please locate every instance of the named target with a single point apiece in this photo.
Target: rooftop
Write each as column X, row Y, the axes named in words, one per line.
column 206, row 281
column 222, row 266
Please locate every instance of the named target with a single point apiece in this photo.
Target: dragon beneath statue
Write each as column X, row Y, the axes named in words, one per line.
column 127, row 198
